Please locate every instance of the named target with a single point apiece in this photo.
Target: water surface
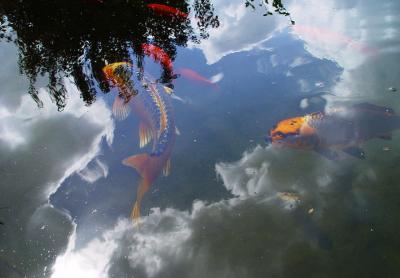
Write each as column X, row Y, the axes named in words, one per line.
column 67, row 197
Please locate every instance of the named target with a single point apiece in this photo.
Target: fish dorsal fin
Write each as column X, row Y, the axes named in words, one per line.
column 177, row 132
column 145, row 134
column 167, row 168
column 120, row 108
column 168, row 90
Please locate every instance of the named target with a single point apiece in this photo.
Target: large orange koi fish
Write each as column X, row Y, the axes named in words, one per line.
column 157, row 124
column 343, row 129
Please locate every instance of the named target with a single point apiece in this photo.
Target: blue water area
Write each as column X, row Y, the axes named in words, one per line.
column 321, row 201
column 216, row 124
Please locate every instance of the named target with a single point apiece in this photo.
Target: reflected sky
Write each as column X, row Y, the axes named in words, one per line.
column 220, row 212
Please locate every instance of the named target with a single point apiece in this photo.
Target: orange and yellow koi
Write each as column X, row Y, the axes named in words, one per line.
column 343, row 129
column 157, row 124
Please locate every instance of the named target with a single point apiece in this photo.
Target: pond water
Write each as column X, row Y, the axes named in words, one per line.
column 209, row 83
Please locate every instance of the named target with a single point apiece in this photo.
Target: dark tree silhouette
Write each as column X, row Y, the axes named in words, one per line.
column 76, row 37
column 275, row 5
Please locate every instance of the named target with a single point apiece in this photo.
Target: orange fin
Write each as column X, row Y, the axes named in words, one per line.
column 167, row 168
column 143, row 187
column 145, row 135
column 120, row 108
column 135, row 215
column 139, row 162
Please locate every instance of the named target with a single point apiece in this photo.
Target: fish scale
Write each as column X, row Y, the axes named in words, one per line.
column 158, row 105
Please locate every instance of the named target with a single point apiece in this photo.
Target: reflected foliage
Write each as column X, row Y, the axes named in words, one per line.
column 77, row 38
column 269, row 5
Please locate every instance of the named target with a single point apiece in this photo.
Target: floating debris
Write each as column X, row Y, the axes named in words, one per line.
column 392, row 89
column 311, row 211
column 386, row 149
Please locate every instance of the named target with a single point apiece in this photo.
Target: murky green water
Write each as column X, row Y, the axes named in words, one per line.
column 232, row 205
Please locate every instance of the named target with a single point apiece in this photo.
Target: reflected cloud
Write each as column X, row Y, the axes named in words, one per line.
column 215, row 240
column 97, row 171
column 56, row 145
column 239, row 30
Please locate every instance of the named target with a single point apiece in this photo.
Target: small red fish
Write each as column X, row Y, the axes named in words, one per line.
column 193, row 75
column 167, row 10
column 158, row 54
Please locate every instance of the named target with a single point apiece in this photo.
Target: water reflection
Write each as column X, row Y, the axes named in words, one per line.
column 62, row 38
column 272, row 212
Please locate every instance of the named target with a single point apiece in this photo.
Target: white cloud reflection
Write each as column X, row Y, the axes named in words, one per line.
column 95, row 172
column 39, row 149
column 206, row 241
column 240, row 29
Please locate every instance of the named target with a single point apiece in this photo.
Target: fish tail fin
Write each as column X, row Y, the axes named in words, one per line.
column 144, row 186
column 135, row 214
column 120, row 108
column 143, row 164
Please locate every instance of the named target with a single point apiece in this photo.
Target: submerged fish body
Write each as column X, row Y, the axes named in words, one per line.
column 157, row 124
column 342, row 129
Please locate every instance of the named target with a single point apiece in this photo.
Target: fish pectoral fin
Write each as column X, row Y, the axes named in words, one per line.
column 355, row 151
column 120, row 108
column 168, row 90
column 327, row 153
column 145, row 134
column 386, row 136
column 167, row 168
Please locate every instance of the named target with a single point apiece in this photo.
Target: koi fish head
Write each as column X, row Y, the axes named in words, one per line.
column 292, row 132
column 111, row 70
